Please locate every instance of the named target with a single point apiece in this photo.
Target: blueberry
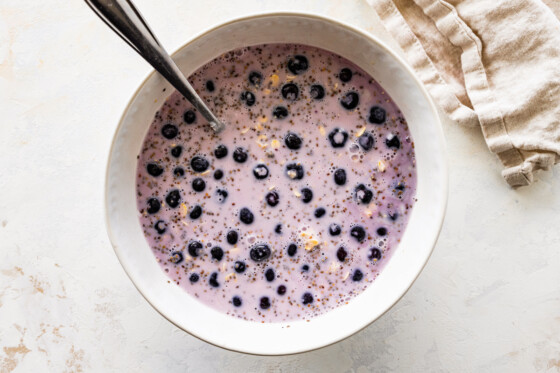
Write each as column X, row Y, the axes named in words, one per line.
column 218, row 174
column 345, row 75
column 290, row 91
column 160, row 226
column 307, row 298
column 280, row 112
column 193, row 278
column 154, row 169
column 269, row 275
column 307, row 195
column 210, row 86
column 377, row 115
column 199, row 164
column 236, row 301
column 298, row 64
column 153, row 206
column 374, row 254
column 176, row 151
column 338, row 138
column 232, row 237
column 340, row 176
column 278, row 229
column 393, row 216
column 292, row 249
column 358, row 232
column 239, row 267
column 350, row 100
column 341, row 254
column 320, row 212
column 363, row 194
column 214, row 280
column 189, row 117
column 221, row 195
column 400, row 186
column 198, row 184
column 248, row 98
column 246, row 216
column 317, row 92
column 305, row 267
column 194, row 248
column 393, row 142
column 281, row 290
column 173, row 198
column 220, row 151
column 255, row 78
column 169, row 131
column 264, row 303
column 196, row 212
column 217, row 253
column 366, row 141
column 382, row 231
column 178, row 172
column 240, row 155
column 260, row 171
column 176, row 257
column 357, row 275
column 293, row 141
column 294, row 171
column 334, row 229
column 260, row 252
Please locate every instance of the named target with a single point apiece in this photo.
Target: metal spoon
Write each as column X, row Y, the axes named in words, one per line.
column 123, row 18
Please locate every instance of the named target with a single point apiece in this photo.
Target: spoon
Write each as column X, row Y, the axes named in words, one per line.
column 125, row 20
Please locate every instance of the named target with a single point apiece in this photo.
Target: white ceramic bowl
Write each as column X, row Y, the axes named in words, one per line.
column 407, row 261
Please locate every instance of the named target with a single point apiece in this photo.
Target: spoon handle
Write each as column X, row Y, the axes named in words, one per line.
column 125, row 20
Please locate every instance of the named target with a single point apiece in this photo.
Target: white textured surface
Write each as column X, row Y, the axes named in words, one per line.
column 489, row 299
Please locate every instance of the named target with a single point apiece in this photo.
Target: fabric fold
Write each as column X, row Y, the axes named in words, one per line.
column 494, row 64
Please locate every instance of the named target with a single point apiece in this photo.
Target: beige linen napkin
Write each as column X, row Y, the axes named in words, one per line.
column 493, row 63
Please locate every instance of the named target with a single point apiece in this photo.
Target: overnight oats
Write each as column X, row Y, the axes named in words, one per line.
column 297, row 206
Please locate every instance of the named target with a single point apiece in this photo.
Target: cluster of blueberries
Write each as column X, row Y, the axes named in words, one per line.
column 260, row 253
column 295, row 171
column 290, row 91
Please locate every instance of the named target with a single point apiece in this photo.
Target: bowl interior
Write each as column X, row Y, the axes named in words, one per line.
column 408, row 259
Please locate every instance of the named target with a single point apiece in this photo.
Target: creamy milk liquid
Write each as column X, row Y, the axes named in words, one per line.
column 297, row 117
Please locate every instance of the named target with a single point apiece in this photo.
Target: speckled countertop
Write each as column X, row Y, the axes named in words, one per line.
column 488, row 300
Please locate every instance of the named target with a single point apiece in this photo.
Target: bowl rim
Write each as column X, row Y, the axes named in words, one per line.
column 367, row 35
